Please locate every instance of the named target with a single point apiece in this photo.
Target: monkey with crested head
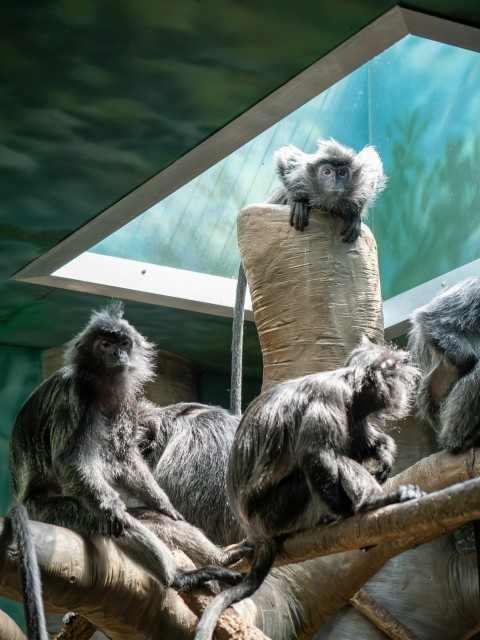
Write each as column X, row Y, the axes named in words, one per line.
column 334, row 179
column 74, row 460
column 298, row 455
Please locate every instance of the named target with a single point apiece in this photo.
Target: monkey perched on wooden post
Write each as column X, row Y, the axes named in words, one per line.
column 334, row 179
column 330, row 191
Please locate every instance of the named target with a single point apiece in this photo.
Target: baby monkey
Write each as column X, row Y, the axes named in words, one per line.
column 297, row 457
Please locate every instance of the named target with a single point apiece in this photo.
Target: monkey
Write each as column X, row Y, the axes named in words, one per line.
column 74, row 455
column 176, row 440
column 298, row 455
column 444, row 340
column 334, row 179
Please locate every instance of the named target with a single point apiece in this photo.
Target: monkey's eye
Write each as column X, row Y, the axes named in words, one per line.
column 326, row 171
column 126, row 343
column 104, row 344
column 342, row 173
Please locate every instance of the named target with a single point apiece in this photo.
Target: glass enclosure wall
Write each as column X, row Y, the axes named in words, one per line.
column 418, row 103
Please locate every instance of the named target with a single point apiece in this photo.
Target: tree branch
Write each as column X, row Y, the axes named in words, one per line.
column 9, row 629
column 380, row 616
column 78, row 574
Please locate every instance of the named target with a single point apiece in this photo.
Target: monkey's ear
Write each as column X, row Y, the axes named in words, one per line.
column 356, row 172
column 80, row 346
column 287, row 158
column 313, row 164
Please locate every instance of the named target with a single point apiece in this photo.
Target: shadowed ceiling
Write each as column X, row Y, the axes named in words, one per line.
column 98, row 97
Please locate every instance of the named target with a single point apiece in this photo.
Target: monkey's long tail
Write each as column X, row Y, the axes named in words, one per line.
column 30, row 574
column 237, row 344
column 265, row 552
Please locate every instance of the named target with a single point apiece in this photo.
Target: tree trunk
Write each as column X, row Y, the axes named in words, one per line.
column 313, row 296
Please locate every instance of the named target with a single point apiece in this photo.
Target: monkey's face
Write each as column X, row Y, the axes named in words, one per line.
column 113, row 351
column 333, row 178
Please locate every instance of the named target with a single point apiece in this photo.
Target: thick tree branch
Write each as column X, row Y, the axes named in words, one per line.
column 78, row 574
column 9, row 630
column 432, row 515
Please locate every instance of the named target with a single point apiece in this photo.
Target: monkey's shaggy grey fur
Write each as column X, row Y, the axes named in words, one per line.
column 444, row 341
column 303, row 183
column 297, row 456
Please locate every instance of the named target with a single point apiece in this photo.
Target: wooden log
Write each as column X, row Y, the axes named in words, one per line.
column 313, row 296
column 9, row 630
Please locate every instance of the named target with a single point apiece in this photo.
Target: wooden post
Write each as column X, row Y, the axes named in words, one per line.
column 313, row 295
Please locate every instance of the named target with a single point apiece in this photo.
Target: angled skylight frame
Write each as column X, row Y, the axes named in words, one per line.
column 141, row 281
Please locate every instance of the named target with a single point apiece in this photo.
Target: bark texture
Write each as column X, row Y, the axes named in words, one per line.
column 313, row 296
column 295, row 601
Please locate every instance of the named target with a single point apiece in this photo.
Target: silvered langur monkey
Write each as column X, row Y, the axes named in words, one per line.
column 444, row 340
column 297, row 457
column 186, row 446
column 335, row 179
column 74, row 459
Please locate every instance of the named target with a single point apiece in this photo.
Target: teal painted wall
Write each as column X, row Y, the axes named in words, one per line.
column 20, row 375
column 215, row 389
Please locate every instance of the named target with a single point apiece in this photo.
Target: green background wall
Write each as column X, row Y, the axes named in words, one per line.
column 20, row 374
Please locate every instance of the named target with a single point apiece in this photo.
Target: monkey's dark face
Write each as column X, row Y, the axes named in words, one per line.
column 333, row 178
column 113, row 351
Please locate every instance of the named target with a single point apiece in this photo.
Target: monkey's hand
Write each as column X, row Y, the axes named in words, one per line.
column 299, row 215
column 112, row 522
column 171, row 512
column 382, row 471
column 351, row 230
column 383, row 452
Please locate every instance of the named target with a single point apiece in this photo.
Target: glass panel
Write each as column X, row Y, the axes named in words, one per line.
column 195, row 228
column 418, row 103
